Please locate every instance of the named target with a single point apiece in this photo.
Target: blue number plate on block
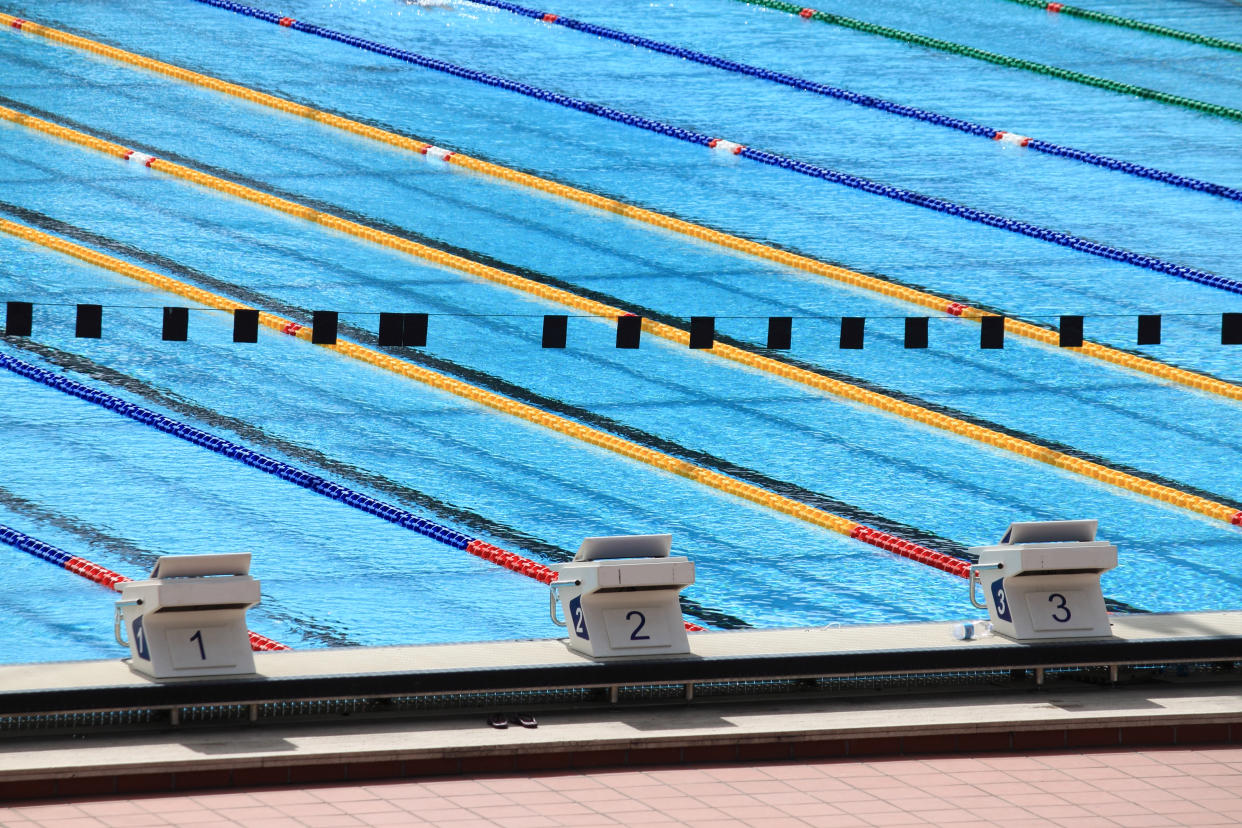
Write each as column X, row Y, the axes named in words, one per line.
column 577, row 618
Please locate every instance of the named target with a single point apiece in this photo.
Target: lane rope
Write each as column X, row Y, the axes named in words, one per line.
column 350, row 474
column 491, row 382
column 771, row 159
column 259, row 642
column 498, row 402
column 1131, row 23
column 997, row 59
column 94, row 572
column 285, row 471
column 885, row 287
column 834, row 386
column 1035, row 144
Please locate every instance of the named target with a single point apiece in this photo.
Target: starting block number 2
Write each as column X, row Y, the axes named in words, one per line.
column 199, row 647
column 643, row 627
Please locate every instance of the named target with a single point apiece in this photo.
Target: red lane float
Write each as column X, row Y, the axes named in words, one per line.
column 438, row 153
column 139, row 157
column 729, row 147
column 94, row 572
column 1011, row 138
column 913, row 551
column 509, row 560
column 261, row 643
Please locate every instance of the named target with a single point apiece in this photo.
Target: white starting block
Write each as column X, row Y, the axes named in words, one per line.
column 619, row 597
column 1043, row 581
column 189, row 618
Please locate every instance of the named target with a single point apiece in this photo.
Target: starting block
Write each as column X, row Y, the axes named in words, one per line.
column 619, row 596
column 189, row 618
column 1042, row 581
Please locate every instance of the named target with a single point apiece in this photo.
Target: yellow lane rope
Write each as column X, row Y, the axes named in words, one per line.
column 538, row 416
column 839, row 388
column 874, row 284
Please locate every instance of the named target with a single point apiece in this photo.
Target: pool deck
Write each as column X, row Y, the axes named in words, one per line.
column 1076, row 789
column 342, row 751
column 998, row 717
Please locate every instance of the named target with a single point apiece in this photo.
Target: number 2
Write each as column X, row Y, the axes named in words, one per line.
column 642, row 620
column 198, row 636
column 1061, row 606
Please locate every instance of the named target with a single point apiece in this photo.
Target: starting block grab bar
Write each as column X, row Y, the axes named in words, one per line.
column 119, row 616
column 974, row 579
column 552, row 600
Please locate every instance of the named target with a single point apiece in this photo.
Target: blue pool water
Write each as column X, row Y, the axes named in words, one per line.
column 118, row 493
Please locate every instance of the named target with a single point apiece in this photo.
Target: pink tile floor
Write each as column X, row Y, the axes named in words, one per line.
column 1088, row 788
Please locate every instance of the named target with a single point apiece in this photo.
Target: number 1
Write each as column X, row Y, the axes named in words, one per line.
column 198, row 636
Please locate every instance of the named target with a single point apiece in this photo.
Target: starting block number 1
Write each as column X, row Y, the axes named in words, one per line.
column 199, row 647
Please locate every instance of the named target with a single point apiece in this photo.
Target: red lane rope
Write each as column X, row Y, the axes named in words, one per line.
column 913, row 551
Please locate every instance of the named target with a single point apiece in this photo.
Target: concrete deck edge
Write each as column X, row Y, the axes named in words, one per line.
column 1105, row 729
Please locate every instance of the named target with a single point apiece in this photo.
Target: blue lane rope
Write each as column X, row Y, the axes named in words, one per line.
column 198, row 437
column 29, row 545
column 940, row 205
column 285, row 471
column 869, row 101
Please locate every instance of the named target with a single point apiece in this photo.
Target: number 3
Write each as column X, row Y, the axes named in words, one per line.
column 1061, row 606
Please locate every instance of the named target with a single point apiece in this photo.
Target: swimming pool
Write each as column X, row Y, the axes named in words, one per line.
column 118, row 493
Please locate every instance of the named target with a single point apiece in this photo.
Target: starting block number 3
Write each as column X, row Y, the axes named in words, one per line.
column 642, row 627
column 1057, row 610
column 198, row 647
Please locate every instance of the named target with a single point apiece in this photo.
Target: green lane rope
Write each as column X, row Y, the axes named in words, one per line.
column 1001, row 60
column 1131, row 23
